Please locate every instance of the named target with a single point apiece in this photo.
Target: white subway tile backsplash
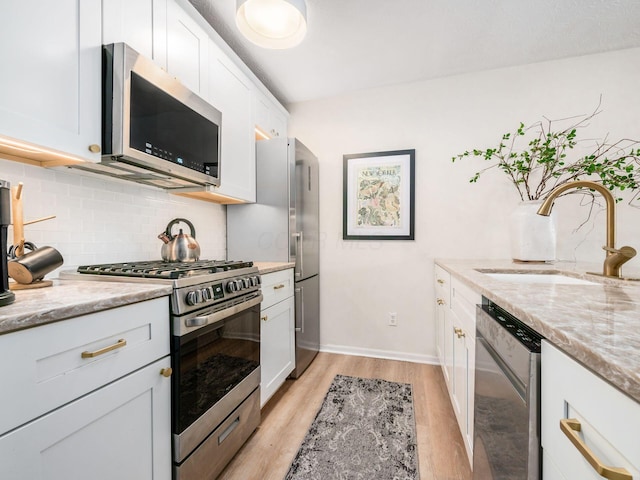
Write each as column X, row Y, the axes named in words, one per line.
column 102, row 220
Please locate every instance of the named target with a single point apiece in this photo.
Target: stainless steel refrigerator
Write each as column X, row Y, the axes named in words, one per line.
column 282, row 226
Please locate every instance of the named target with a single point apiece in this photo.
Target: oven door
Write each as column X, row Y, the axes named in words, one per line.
column 215, row 368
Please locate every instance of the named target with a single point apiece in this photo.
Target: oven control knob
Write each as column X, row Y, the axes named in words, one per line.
column 240, row 284
column 257, row 280
column 207, row 293
column 232, row 286
column 246, row 282
column 194, row 297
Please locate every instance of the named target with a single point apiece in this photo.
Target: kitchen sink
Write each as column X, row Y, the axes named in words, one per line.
column 538, row 277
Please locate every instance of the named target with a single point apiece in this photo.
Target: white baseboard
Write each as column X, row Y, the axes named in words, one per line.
column 386, row 354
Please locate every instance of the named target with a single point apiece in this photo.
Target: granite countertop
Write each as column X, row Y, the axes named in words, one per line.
column 270, row 267
column 598, row 325
column 70, row 298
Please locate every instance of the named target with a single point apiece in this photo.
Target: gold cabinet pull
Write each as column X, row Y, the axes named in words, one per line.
column 440, row 281
column 570, row 427
column 94, row 148
column 119, row 344
column 264, row 318
column 166, row 372
column 440, row 301
column 278, row 287
column 459, row 332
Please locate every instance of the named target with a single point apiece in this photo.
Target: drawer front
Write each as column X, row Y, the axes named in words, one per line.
column 50, row 365
column 609, row 421
column 223, row 443
column 276, row 287
column 442, row 285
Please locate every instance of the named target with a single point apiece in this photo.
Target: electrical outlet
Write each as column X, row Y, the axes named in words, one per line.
column 393, row 319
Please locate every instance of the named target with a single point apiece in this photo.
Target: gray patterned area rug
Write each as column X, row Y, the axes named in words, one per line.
column 364, row 430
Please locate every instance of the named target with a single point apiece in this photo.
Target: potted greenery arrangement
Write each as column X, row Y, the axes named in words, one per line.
column 543, row 163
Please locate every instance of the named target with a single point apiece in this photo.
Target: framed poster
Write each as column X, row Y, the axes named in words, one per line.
column 379, row 196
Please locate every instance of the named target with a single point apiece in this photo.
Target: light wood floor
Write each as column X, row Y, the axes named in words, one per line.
column 288, row 415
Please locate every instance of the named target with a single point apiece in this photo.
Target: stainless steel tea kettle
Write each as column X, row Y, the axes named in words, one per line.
column 181, row 247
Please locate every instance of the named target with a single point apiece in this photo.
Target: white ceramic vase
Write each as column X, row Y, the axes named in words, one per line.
column 533, row 236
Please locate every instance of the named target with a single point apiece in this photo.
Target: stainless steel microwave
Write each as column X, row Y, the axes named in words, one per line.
column 154, row 129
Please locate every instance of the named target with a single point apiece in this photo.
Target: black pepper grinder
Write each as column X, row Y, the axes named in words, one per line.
column 6, row 296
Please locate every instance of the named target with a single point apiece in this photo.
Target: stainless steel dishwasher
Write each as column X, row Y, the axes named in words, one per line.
column 506, row 397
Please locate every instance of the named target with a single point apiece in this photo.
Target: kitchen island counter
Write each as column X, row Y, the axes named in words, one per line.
column 70, row 298
column 598, row 325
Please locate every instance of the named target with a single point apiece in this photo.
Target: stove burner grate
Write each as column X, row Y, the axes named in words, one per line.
column 166, row 270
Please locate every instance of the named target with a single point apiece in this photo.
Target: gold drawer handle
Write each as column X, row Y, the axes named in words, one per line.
column 459, row 332
column 570, row 427
column 119, row 344
column 278, row 287
column 264, row 318
column 440, row 281
column 440, row 301
column 166, row 372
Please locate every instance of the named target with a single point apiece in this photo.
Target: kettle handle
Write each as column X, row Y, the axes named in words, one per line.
column 178, row 220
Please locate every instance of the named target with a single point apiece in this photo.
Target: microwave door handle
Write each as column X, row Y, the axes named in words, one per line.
column 299, row 253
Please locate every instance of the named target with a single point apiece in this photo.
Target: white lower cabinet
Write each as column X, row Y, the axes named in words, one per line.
column 587, row 424
column 455, row 344
column 277, row 334
column 120, row 431
column 90, row 397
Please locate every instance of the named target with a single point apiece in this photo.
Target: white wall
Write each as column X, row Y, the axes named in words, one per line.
column 99, row 220
column 362, row 281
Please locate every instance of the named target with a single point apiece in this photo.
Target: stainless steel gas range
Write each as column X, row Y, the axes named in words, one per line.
column 215, row 355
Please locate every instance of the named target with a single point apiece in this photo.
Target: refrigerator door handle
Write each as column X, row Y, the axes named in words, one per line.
column 300, row 292
column 299, row 253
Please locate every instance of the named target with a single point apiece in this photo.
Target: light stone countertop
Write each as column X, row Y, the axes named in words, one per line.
column 270, row 267
column 70, row 298
column 598, row 325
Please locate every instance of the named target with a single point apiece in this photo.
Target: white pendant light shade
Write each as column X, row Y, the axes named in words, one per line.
column 272, row 23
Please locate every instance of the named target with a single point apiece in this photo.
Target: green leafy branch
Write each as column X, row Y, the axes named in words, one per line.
column 544, row 163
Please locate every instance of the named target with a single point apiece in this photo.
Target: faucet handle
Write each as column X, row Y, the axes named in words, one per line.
column 625, row 251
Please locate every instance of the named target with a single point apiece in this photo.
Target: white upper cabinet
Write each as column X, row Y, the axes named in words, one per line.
column 187, row 50
column 230, row 92
column 268, row 117
column 141, row 24
column 51, row 76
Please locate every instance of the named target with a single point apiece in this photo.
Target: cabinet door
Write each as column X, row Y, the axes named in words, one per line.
column 463, row 352
column 51, row 75
column 187, row 50
column 277, row 347
column 122, row 431
column 447, row 350
column 230, row 92
column 141, row 24
column 440, row 329
column 267, row 116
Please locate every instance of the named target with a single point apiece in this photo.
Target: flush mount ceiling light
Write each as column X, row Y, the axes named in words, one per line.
column 272, row 23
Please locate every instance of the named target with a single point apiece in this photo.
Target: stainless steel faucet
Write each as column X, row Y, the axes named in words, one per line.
column 615, row 257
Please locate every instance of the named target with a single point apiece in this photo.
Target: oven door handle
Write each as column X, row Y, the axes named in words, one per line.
column 199, row 321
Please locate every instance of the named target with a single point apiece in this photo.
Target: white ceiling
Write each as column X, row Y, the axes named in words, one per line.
column 356, row 44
